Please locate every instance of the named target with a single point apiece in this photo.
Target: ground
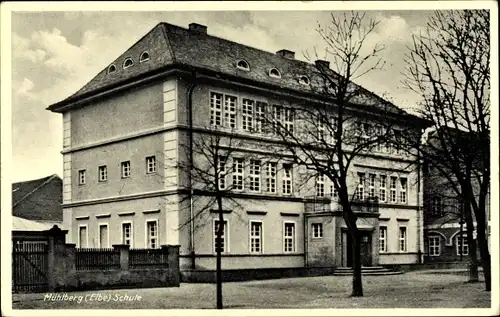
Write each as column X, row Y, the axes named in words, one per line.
column 424, row 289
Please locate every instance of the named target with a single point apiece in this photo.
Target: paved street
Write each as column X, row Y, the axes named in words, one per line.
column 410, row 290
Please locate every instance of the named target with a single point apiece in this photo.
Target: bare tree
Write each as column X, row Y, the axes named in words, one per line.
column 333, row 131
column 449, row 66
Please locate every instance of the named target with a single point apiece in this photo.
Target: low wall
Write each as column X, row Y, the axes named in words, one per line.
column 428, row 266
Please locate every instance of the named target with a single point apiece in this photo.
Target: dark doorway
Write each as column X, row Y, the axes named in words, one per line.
column 365, row 240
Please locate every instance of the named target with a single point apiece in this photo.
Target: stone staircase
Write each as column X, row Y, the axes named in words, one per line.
column 366, row 270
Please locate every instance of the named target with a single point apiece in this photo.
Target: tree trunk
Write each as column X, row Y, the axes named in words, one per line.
column 219, row 234
column 357, row 286
column 483, row 251
column 473, row 264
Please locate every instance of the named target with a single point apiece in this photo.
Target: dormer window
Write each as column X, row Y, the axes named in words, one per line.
column 144, row 57
column 243, row 65
column 273, row 72
column 128, row 63
column 111, row 69
column 304, row 80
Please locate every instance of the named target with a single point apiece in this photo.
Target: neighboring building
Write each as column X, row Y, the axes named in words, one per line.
column 123, row 130
column 445, row 228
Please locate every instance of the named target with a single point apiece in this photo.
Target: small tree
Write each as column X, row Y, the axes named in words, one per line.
column 449, row 66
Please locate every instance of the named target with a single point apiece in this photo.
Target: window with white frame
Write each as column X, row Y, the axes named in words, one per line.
column 360, row 190
column 402, row 239
column 317, row 230
column 230, row 111
column 255, row 237
column 434, row 244
column 151, row 164
column 383, row 188
column 238, row 174
column 333, row 191
column 222, row 172
column 277, row 118
column 462, row 245
column 403, row 186
column 287, row 179
column 83, row 237
column 320, row 185
column 127, row 233
column 152, row 234
column 254, row 176
column 382, row 239
column 436, row 207
column 289, row 237
column 103, row 236
column 260, row 112
column 103, row 173
column 393, row 192
column 215, row 109
column 334, row 121
column 125, row 169
column 271, row 177
column 371, row 186
column 247, row 114
column 289, row 115
column 82, row 177
column 379, row 133
column 223, row 242
column 321, row 131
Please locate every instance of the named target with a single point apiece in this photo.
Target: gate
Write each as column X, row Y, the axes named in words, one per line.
column 29, row 266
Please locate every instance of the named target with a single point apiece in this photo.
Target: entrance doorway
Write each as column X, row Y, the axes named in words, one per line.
column 365, row 240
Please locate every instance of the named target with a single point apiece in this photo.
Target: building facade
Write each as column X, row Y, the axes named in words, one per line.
column 128, row 138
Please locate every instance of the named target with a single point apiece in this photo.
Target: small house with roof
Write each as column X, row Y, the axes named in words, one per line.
column 124, row 128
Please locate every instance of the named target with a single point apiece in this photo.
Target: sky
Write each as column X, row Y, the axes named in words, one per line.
column 56, row 53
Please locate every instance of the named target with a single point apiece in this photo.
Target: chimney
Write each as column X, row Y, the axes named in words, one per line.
column 286, row 54
column 322, row 64
column 198, row 28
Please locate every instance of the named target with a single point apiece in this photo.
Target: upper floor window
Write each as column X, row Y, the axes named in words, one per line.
column 111, row 69
column 271, row 177
column 289, row 115
column 371, row 186
column 320, row 185
column 125, row 169
column 273, row 72
column 360, row 191
column 150, row 164
column 393, row 184
column 222, row 116
column 238, row 174
column 128, row 63
column 287, row 179
column 436, row 207
column 82, row 177
column 243, row 65
column 103, row 173
column 382, row 189
column 403, row 187
column 222, row 172
column 255, row 175
column 317, row 230
column 304, row 80
column 247, row 114
column 144, row 57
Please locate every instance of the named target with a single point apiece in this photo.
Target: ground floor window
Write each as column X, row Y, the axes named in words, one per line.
column 256, row 237
column 83, row 237
column 127, row 233
column 434, row 245
column 289, row 237
column 383, row 239
column 103, row 236
column 152, row 234
column 402, row 239
column 224, row 237
column 462, row 245
column 317, row 230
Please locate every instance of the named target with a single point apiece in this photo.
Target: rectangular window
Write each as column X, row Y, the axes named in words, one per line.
column 83, row 238
column 277, row 118
column 247, row 114
column 360, row 191
column 317, row 230
column 255, row 175
column 333, row 191
column 289, row 237
column 382, row 239
column 103, row 236
column 82, row 177
column 382, row 189
column 320, row 185
column 271, row 177
column 215, row 109
column 335, row 124
column 402, row 239
column 103, row 173
column 434, row 245
column 230, row 111
column 222, row 172
column 403, row 186
column 152, row 234
column 126, row 169
column 238, row 174
column 151, row 164
column 393, row 189
column 371, row 186
column 224, row 238
column 436, row 209
column 260, row 112
column 289, row 119
column 462, row 245
column 255, row 237
column 287, row 179
column 321, row 131
column 127, row 233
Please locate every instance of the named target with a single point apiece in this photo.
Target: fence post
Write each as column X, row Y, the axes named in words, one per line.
column 124, row 258
column 173, row 264
column 56, row 266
